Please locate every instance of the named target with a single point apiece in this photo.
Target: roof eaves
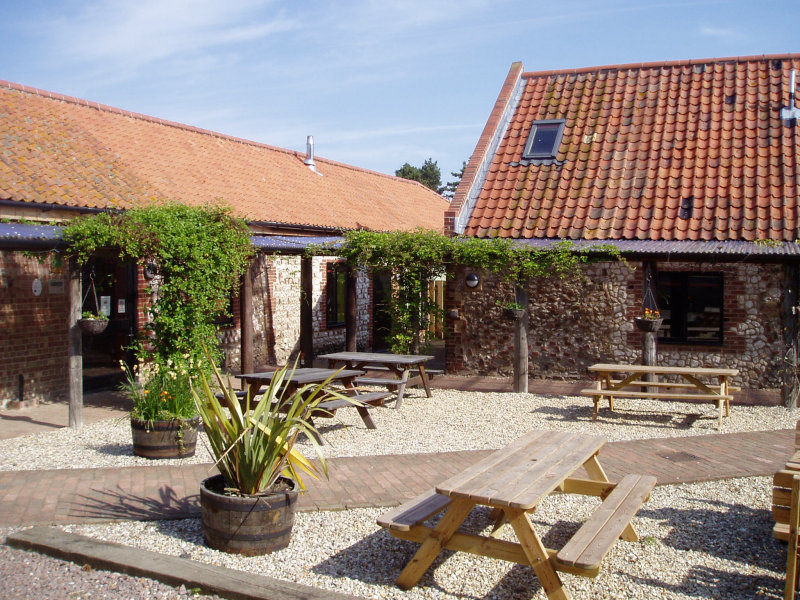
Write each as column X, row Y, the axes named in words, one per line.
column 481, row 161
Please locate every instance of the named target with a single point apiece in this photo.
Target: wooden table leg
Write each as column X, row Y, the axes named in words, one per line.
column 596, row 472
column 424, row 377
column 537, row 554
column 401, row 387
column 432, row 546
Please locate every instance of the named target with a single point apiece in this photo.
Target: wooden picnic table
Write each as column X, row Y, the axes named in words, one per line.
column 691, row 386
column 307, row 375
column 399, row 365
column 513, row 481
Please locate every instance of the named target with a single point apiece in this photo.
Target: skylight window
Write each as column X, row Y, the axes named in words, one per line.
column 544, row 139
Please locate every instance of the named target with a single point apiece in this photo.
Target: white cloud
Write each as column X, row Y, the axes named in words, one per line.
column 132, row 34
column 719, row 32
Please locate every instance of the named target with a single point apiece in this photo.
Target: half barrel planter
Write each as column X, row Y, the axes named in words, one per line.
column 247, row 525
column 176, row 438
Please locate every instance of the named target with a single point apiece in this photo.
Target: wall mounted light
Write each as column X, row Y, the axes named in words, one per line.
column 150, row 270
column 472, row 280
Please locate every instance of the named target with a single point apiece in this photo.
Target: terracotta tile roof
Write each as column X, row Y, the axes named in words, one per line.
column 690, row 150
column 65, row 151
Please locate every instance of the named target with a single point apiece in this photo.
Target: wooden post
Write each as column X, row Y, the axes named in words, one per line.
column 246, row 312
column 350, row 314
column 306, row 314
column 789, row 316
column 75, row 349
column 521, row 341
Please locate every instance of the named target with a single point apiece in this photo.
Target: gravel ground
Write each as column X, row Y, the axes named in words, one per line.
column 708, row 540
column 472, row 421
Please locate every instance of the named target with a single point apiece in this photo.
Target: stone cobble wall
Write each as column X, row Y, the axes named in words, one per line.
column 34, row 339
column 581, row 321
column 276, row 313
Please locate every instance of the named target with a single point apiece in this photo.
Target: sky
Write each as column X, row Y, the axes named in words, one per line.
column 378, row 83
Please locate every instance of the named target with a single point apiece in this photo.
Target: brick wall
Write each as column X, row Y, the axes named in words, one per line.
column 34, row 339
column 578, row 322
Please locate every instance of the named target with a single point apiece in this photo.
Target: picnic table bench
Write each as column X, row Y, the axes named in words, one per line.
column 691, row 386
column 513, row 481
column 402, row 366
column 357, row 398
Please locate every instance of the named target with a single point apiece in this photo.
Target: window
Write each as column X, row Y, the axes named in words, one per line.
column 336, row 292
column 544, row 139
column 691, row 306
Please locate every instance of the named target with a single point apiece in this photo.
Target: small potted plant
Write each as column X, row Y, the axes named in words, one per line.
column 93, row 323
column 164, row 418
column 249, row 507
column 511, row 310
column 650, row 321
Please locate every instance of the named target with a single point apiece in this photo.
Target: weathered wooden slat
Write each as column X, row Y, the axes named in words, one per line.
column 586, row 549
column 656, row 395
column 414, row 512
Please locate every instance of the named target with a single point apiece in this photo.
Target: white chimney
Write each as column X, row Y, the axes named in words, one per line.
column 309, row 160
column 790, row 114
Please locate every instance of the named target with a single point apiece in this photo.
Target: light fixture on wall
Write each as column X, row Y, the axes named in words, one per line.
column 150, row 270
column 472, row 280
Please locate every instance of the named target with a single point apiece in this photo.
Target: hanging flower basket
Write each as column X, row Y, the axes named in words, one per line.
column 93, row 326
column 643, row 324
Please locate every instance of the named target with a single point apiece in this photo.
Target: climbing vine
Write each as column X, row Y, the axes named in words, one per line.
column 199, row 255
column 416, row 257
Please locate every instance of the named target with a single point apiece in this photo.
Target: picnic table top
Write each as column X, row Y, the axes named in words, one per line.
column 663, row 370
column 302, row 375
column 524, row 472
column 378, row 357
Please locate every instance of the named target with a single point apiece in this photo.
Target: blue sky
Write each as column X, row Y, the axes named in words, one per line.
column 378, row 83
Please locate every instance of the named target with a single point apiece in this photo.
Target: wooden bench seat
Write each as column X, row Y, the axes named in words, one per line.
column 364, row 398
column 782, row 491
column 597, row 395
column 415, row 511
column 675, row 385
column 583, row 553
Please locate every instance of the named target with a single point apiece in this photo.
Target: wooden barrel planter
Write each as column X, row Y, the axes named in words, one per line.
column 247, row 525
column 165, row 439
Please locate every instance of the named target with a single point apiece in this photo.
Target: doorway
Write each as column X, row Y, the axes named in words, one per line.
column 381, row 319
column 108, row 286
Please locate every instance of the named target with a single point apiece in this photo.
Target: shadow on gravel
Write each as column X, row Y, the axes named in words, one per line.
column 728, row 531
column 118, row 449
column 622, row 417
column 111, row 505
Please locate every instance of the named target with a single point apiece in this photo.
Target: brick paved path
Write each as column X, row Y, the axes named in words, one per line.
column 143, row 493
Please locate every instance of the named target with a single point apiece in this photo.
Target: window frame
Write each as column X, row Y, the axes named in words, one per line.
column 335, row 274
column 528, row 152
column 683, row 309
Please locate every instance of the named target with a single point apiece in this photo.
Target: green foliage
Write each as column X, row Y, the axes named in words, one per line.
column 428, row 174
column 449, row 190
column 413, row 258
column 416, row 257
column 253, row 446
column 161, row 391
column 517, row 262
column 98, row 316
column 200, row 255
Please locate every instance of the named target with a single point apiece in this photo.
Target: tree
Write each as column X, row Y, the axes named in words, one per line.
column 428, row 174
column 449, row 190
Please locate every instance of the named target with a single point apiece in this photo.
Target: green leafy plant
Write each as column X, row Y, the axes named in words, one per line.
column 254, row 443
column 510, row 305
column 161, row 391
column 95, row 316
column 200, row 254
